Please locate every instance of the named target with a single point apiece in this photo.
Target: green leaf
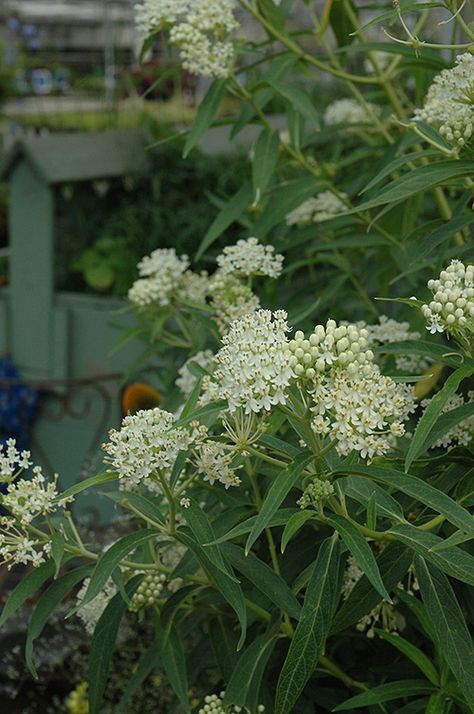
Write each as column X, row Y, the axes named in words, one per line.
column 387, row 693
column 437, row 704
column 283, row 200
column 439, row 353
column 203, row 532
column 451, row 560
column 341, row 23
column 103, row 643
column 295, row 523
column 227, row 586
column 307, row 644
column 448, row 621
column 395, row 164
column 208, row 410
column 447, row 421
column 455, row 538
column 49, row 600
column 432, row 412
column 192, row 400
column 232, row 210
column 264, row 578
column 413, row 653
column 205, row 114
column 363, row 489
column 148, row 661
column 361, row 551
column 417, row 489
column 393, row 563
column 57, row 550
column 170, row 647
column 266, row 154
column 110, row 559
column 244, row 685
column 277, row 492
column 271, row 12
column 299, row 100
column 27, row 587
column 280, row 518
column 419, row 179
column 148, row 505
column 87, row 483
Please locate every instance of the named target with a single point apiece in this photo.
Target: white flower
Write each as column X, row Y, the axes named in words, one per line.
column 19, row 547
column 184, row 502
column 315, row 210
column 349, row 111
column 388, row 330
column 214, row 462
column 230, row 299
column 199, row 28
column 452, row 307
column 214, row 704
column 353, row 404
column 160, row 277
column 252, row 367
column 186, row 379
column 449, row 103
column 91, row 612
column 12, row 461
column 146, row 446
column 462, row 433
column 28, row 498
column 249, row 257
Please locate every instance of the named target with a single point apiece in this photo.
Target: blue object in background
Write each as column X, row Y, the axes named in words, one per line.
column 18, row 406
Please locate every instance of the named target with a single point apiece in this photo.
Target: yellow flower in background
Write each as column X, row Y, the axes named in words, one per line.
column 77, row 702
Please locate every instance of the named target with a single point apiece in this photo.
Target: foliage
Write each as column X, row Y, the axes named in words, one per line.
column 312, row 518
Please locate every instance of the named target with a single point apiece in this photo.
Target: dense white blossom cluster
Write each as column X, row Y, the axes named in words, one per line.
column 214, row 704
column 214, row 462
column 12, row 460
column 388, row 330
column 352, row 402
column 349, row 111
column 17, row 546
column 28, row 498
column 90, row 613
column 160, row 278
column 452, row 307
column 320, row 208
column 148, row 592
column 186, row 380
column 462, row 433
column 201, row 30
column 252, row 368
column 231, row 299
column 449, row 103
column 146, row 445
column 249, row 257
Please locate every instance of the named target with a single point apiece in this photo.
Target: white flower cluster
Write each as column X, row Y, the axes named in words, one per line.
column 252, row 367
column 214, row 704
column 186, row 380
column 452, row 307
column 17, row 547
column 249, row 257
column 318, row 491
column 353, row 403
column 449, row 102
column 91, row 612
column 12, row 460
column 348, row 111
column 148, row 592
column 320, row 208
column 231, row 299
column 214, row 462
column 160, row 278
column 388, row 330
column 146, row 445
column 28, row 498
column 199, row 28
column 384, row 615
column 461, row 434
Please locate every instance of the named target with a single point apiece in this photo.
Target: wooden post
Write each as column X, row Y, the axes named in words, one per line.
column 31, row 270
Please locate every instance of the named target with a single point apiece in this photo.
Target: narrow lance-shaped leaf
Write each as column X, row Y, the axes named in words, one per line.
column 295, row 523
column 244, row 684
column 205, row 114
column 229, row 213
column 413, row 653
column 87, row 483
column 25, row 589
column 313, row 627
column 276, row 494
column 361, row 551
column 265, row 159
column 387, row 693
column 171, row 652
column 432, row 412
column 448, row 621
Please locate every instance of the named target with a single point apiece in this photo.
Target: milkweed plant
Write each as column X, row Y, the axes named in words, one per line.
column 299, row 507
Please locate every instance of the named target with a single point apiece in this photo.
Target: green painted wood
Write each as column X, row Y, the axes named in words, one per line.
column 64, row 157
column 31, row 271
column 4, row 323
